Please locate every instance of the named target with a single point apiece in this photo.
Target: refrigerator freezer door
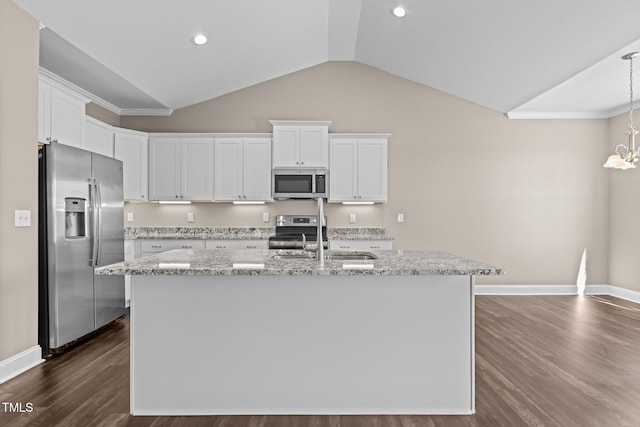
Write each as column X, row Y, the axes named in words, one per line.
column 70, row 278
column 109, row 290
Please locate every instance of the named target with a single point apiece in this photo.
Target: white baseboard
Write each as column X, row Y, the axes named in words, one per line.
column 622, row 293
column 526, row 289
column 20, row 363
column 615, row 291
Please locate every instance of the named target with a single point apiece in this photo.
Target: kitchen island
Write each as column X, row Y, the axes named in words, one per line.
column 273, row 332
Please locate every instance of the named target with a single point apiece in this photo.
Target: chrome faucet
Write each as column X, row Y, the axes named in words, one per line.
column 320, row 243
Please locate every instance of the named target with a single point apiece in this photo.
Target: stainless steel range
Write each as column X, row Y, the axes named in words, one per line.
column 294, row 231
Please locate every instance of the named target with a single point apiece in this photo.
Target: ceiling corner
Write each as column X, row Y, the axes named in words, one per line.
column 343, row 23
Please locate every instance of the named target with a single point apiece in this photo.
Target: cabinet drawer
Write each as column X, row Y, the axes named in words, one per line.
column 155, row 246
column 237, row 244
column 359, row 245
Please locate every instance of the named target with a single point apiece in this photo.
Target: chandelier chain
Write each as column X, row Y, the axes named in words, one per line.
column 631, row 94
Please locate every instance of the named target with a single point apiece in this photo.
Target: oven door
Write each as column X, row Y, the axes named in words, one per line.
column 292, row 185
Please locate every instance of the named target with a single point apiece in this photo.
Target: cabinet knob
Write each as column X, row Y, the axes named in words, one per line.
column 55, row 140
column 302, row 163
column 49, row 138
column 182, row 197
column 176, row 196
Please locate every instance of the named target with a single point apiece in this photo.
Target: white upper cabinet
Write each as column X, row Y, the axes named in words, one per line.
column 61, row 115
column 242, row 169
column 358, row 168
column 180, row 169
column 132, row 148
column 98, row 137
column 196, row 169
column 298, row 144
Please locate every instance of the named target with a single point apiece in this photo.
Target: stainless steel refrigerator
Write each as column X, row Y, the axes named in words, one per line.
column 81, row 226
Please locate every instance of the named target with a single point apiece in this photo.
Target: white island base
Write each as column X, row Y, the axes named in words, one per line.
column 292, row 344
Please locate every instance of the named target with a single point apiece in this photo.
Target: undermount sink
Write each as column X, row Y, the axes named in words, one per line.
column 351, row 256
column 336, row 256
column 293, row 256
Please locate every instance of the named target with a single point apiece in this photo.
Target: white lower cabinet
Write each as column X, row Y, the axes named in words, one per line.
column 155, row 246
column 146, row 247
column 359, row 245
column 237, row 244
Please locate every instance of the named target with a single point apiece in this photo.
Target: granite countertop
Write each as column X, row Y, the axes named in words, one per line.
column 264, row 262
column 199, row 233
column 245, row 233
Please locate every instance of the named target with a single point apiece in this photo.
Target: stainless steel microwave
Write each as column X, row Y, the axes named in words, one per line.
column 296, row 183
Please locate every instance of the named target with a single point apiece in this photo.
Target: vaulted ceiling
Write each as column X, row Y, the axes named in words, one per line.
column 545, row 58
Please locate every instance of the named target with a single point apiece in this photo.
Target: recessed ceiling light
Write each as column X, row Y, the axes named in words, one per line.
column 399, row 11
column 199, row 39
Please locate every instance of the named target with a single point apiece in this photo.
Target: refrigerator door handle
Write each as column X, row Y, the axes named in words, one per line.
column 93, row 205
column 92, row 222
column 98, row 231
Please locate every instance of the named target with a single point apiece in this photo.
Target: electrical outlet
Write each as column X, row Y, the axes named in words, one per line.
column 130, row 216
column 265, row 216
column 22, row 218
column 190, row 217
column 400, row 217
column 352, row 218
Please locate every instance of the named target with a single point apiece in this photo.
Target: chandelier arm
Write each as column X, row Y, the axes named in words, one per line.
column 624, row 148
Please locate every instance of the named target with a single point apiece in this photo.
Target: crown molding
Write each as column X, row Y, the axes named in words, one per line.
column 101, row 102
column 516, row 115
column 524, row 115
column 146, row 112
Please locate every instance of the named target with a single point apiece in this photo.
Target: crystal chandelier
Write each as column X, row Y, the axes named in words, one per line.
column 627, row 155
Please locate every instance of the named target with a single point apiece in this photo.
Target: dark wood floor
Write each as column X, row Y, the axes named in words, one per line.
column 540, row 361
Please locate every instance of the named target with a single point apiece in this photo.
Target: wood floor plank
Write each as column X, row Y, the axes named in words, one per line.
column 540, row 361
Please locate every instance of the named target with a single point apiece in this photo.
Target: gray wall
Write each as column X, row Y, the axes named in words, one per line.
column 18, row 179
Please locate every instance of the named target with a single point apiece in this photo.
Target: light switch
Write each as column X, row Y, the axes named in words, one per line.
column 265, row 216
column 400, row 217
column 190, row 217
column 130, row 216
column 22, row 218
column 352, row 218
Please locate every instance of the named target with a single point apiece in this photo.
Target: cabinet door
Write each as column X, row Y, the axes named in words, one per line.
column 44, row 117
column 132, row 149
column 98, row 137
column 372, row 170
column 360, row 245
column 286, row 146
column 237, row 244
column 314, row 146
column 67, row 118
column 228, row 169
column 257, row 169
column 164, row 169
column 343, row 170
column 196, row 169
